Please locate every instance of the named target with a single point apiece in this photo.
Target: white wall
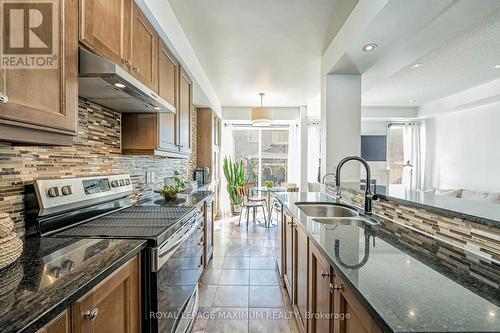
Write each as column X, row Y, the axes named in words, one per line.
column 463, row 149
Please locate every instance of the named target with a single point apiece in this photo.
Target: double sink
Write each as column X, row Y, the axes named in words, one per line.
column 334, row 214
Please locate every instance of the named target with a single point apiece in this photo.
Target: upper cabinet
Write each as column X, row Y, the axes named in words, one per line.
column 168, row 83
column 144, row 52
column 105, row 29
column 184, row 112
column 40, row 106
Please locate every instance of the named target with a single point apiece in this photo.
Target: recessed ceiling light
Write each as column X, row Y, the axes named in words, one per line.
column 417, row 65
column 369, row 47
column 119, row 85
column 413, row 100
column 496, row 66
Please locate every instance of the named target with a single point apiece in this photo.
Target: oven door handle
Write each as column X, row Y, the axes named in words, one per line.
column 162, row 255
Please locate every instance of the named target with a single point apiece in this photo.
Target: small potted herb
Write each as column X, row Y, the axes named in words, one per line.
column 170, row 192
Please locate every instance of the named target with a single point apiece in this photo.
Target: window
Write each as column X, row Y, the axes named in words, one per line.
column 264, row 153
column 395, row 153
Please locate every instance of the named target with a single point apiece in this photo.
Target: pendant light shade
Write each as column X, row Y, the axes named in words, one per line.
column 261, row 116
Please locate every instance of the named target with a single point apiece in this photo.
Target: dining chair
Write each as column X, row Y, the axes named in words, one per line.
column 251, row 197
column 247, row 205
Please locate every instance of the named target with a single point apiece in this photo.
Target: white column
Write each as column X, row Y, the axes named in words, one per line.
column 341, row 124
column 303, row 148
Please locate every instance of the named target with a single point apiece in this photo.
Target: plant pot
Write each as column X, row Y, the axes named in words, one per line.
column 235, row 209
column 171, row 197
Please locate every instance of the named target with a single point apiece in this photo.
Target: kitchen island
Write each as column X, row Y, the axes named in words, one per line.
column 386, row 286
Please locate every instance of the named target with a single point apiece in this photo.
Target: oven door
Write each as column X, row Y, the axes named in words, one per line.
column 178, row 266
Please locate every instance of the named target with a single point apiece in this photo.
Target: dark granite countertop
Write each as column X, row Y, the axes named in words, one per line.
column 191, row 200
column 52, row 273
column 486, row 213
column 402, row 293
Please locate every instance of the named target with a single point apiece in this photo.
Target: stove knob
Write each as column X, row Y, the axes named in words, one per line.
column 122, row 182
column 114, row 183
column 53, row 192
column 66, row 190
column 127, row 181
column 68, row 265
column 55, row 272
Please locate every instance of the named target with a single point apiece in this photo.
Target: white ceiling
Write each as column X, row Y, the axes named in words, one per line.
column 249, row 46
column 458, row 43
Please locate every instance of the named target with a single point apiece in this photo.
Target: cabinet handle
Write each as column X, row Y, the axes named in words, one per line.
column 325, row 275
column 91, row 314
column 4, row 99
column 127, row 62
column 136, row 69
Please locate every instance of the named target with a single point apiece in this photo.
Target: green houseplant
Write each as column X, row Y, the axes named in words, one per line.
column 235, row 177
column 170, row 192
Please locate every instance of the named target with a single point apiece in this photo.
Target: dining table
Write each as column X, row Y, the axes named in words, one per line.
column 268, row 191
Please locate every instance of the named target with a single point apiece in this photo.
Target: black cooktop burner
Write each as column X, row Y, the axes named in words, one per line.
column 153, row 223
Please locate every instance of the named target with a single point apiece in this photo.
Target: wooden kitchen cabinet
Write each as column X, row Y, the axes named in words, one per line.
column 301, row 260
column 320, row 295
column 40, row 106
column 60, row 324
column 112, row 306
column 288, row 256
column 168, row 88
column 184, row 112
column 345, row 302
column 144, row 49
column 105, row 29
column 208, row 153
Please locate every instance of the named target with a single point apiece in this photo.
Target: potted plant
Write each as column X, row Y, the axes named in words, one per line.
column 170, row 191
column 235, row 178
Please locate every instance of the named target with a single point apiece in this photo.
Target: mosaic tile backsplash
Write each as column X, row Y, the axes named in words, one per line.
column 461, row 246
column 96, row 150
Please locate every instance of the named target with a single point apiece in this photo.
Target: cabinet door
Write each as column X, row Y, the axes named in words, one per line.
column 184, row 112
column 105, row 29
column 209, row 231
column 144, row 52
column 168, row 81
column 301, row 278
column 113, row 306
column 288, row 254
column 42, row 106
column 320, row 297
column 356, row 318
column 60, row 324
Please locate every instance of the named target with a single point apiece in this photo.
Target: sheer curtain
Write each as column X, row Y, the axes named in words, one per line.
column 412, row 153
column 313, row 146
column 227, row 149
column 293, row 164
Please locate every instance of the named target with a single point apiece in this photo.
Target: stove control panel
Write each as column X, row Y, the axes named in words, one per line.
column 72, row 191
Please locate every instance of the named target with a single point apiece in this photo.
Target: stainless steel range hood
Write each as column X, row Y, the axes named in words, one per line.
column 107, row 84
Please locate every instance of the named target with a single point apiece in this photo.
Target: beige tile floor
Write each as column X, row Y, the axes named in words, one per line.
column 240, row 291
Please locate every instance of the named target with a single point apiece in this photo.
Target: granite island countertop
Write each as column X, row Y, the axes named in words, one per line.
column 53, row 273
column 402, row 293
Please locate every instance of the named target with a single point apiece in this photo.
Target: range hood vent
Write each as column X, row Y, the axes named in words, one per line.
column 107, row 84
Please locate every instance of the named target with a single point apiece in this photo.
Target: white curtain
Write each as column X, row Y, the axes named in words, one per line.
column 313, row 146
column 227, row 149
column 294, row 154
column 412, row 153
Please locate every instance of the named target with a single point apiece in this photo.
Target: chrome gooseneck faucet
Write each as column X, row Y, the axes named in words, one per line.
column 369, row 196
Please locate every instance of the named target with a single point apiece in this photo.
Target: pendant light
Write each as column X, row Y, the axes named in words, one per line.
column 261, row 116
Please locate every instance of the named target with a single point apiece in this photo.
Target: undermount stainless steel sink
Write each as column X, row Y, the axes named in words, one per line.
column 326, row 210
column 357, row 221
column 334, row 214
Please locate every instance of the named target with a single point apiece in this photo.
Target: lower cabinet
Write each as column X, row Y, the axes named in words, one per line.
column 112, row 306
column 320, row 296
column 288, row 248
column 321, row 300
column 60, row 324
